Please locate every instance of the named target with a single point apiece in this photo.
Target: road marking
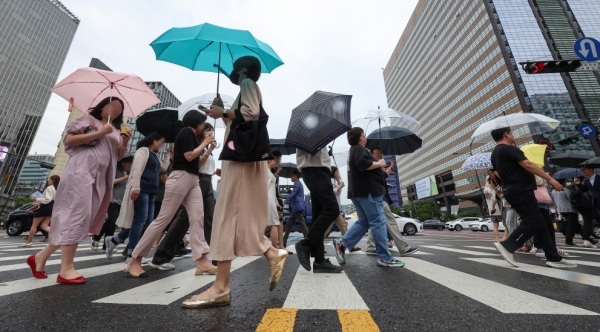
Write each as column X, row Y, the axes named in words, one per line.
column 595, row 264
column 490, row 293
column 40, row 249
column 582, row 252
column 278, row 320
column 357, row 321
column 24, row 265
column 416, row 253
column 561, row 274
column 167, row 290
column 326, row 291
column 461, row 251
column 482, row 247
column 3, row 259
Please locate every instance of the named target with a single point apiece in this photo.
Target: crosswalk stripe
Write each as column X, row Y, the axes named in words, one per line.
column 323, row 291
column 23, row 265
column 167, row 290
column 482, row 247
column 582, row 252
column 461, row 251
column 581, row 278
column 357, row 321
column 416, row 253
column 278, row 320
column 595, row 264
column 503, row 298
column 39, row 249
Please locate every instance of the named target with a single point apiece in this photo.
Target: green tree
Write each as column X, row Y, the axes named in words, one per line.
column 21, row 200
column 424, row 209
column 468, row 213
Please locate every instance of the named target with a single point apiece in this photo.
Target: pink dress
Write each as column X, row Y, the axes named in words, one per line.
column 85, row 188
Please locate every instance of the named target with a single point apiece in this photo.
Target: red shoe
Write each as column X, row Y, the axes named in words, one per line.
column 74, row 281
column 36, row 274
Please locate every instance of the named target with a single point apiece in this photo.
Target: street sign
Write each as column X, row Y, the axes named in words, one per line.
column 589, row 66
column 586, row 130
column 587, row 49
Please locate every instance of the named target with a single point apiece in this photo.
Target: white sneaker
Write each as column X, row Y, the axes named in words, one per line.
column 146, row 260
column 563, row 264
column 588, row 244
column 540, row 254
column 506, row 254
column 562, row 253
column 163, row 267
column 533, row 250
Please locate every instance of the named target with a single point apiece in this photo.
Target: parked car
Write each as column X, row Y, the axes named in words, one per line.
column 18, row 221
column 462, row 223
column 434, row 224
column 485, row 225
column 408, row 226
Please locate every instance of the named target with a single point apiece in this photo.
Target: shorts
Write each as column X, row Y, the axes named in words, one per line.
column 496, row 219
column 45, row 210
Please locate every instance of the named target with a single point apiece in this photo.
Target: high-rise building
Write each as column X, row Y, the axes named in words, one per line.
column 35, row 37
column 33, row 176
column 457, row 66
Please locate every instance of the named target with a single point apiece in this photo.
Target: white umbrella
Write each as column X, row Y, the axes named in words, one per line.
column 478, row 161
column 522, row 124
column 204, row 100
column 389, row 117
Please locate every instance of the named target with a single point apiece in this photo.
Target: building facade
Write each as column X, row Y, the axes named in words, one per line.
column 457, row 66
column 35, row 37
column 33, row 176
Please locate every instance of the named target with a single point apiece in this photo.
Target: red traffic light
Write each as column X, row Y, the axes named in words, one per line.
column 538, row 67
column 550, row 67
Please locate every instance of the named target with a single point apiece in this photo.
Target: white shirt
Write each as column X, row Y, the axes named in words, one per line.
column 49, row 194
column 209, row 166
column 320, row 159
column 592, row 178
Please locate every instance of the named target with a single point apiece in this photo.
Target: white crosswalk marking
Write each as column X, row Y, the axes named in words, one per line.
column 461, row 251
column 590, row 252
column 40, row 249
column 24, row 265
column 498, row 296
column 586, row 263
column 167, row 290
column 416, row 253
column 12, row 258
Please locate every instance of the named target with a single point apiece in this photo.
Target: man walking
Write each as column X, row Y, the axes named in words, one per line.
column 392, row 227
column 516, row 175
column 316, row 172
column 593, row 186
column 296, row 200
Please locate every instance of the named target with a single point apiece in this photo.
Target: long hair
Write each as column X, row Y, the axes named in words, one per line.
column 148, row 140
column 55, row 181
column 333, row 170
column 96, row 111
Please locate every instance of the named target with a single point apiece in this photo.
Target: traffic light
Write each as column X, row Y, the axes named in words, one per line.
column 46, row 165
column 550, row 67
column 569, row 140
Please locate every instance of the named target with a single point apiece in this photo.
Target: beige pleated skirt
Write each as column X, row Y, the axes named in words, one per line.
column 241, row 212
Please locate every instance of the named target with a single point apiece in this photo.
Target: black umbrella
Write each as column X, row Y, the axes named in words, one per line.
column 394, row 140
column 591, row 163
column 287, row 169
column 278, row 144
column 319, row 120
column 165, row 121
column 570, row 159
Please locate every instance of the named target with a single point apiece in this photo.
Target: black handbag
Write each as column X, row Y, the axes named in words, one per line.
column 248, row 141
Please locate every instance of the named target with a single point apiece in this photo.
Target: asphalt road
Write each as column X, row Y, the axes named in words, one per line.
column 458, row 282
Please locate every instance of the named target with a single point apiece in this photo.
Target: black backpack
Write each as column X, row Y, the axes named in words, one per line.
column 580, row 199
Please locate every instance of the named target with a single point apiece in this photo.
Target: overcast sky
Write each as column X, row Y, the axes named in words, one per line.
column 335, row 46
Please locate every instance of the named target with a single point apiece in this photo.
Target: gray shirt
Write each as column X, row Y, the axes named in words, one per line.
column 561, row 199
column 119, row 188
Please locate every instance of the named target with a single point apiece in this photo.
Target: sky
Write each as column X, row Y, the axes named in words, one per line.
column 335, row 46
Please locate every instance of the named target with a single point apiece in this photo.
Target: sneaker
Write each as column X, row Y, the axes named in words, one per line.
column 533, row 250
column 371, row 252
column 163, row 266
column 562, row 253
column 110, row 247
column 93, row 244
column 183, row 252
column 390, row 244
column 410, row 251
column 506, row 254
column 563, row 264
column 394, row 263
column 326, row 267
column 540, row 253
column 588, row 244
column 303, row 255
column 340, row 251
column 146, row 260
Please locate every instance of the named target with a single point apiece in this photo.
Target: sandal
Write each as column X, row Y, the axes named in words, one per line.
column 277, row 269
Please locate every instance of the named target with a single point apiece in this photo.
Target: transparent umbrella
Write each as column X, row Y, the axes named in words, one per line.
column 204, row 100
column 388, row 117
column 522, row 125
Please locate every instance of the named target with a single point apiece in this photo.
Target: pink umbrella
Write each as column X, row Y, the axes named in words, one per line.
column 86, row 87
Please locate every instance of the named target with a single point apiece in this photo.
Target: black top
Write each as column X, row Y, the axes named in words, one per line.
column 186, row 141
column 161, row 185
column 513, row 177
column 362, row 182
column 150, row 178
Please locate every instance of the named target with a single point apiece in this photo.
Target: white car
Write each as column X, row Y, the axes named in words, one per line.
column 407, row 226
column 462, row 223
column 485, row 225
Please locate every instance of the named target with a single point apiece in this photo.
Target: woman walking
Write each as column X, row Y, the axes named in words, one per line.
column 242, row 209
column 44, row 210
column 274, row 204
column 94, row 145
column 490, row 194
column 207, row 170
column 121, row 177
column 138, row 210
column 181, row 188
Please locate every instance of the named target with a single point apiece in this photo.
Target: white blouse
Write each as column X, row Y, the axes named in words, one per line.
column 49, row 193
column 209, row 166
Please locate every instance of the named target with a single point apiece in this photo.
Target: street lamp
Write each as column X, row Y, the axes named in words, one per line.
column 478, row 182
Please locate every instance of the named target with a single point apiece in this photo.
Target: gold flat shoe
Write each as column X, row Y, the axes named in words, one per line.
column 277, row 269
column 209, row 271
column 212, row 301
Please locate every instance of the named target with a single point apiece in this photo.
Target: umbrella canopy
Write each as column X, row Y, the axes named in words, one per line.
column 319, row 120
column 535, row 153
column 591, row 163
column 204, row 100
column 394, row 140
column 478, row 161
column 567, row 173
column 287, row 169
column 476, row 197
column 86, row 87
column 522, row 124
column 570, row 159
column 278, row 144
column 388, row 117
column 164, row 121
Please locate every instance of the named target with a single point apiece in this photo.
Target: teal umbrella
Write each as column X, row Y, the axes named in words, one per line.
column 212, row 48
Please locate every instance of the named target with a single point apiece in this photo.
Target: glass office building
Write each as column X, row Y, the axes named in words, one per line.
column 456, row 66
column 35, row 37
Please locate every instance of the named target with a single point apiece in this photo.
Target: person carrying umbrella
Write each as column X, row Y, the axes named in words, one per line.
column 94, row 144
column 593, row 186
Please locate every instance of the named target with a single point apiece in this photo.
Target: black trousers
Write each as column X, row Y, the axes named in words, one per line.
column 549, row 225
column 533, row 223
column 108, row 228
column 290, row 224
column 573, row 226
column 325, row 208
column 586, row 229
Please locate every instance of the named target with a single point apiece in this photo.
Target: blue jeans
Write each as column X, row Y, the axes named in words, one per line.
column 370, row 215
column 143, row 214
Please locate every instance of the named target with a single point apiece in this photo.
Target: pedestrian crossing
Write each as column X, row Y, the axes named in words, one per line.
column 472, row 272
